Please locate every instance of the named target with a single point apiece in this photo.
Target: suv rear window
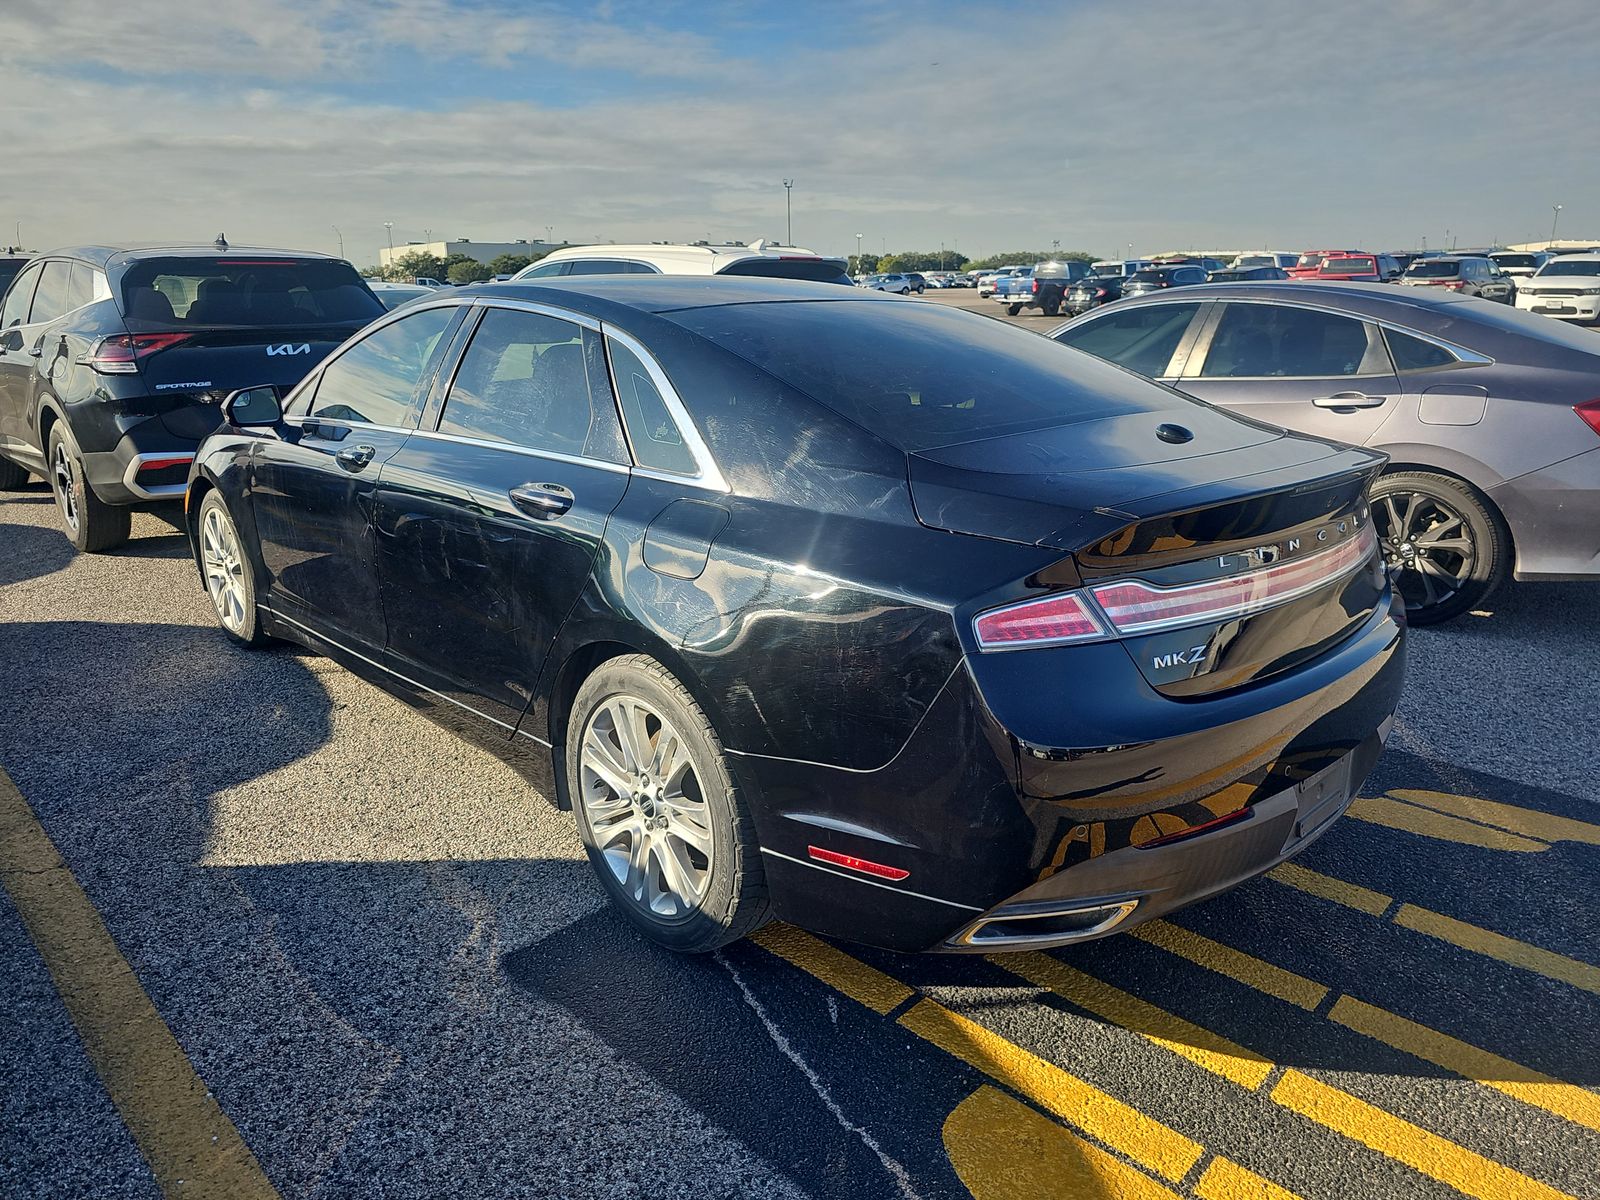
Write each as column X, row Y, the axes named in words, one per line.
column 1348, row 266
column 817, row 270
column 174, row 293
column 1428, row 269
column 920, row 376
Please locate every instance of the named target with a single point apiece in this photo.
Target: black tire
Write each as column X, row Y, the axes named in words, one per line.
column 1013, row 309
column 905, row 291
column 733, row 902
column 1051, row 307
column 12, row 476
column 91, row 525
column 1451, row 548
column 226, row 572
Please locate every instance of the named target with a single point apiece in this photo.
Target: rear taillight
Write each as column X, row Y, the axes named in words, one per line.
column 1589, row 413
column 1126, row 607
column 1036, row 287
column 120, row 355
column 1455, row 285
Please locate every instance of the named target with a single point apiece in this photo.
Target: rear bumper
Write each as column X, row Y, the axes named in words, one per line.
column 1554, row 516
column 983, row 821
column 149, row 464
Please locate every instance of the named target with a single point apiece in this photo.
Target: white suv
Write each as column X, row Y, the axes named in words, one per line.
column 759, row 258
column 1567, row 287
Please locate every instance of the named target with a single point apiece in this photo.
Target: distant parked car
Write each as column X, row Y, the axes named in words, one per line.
column 1014, row 290
column 759, row 258
column 1092, row 291
column 1567, row 287
column 1155, row 279
column 988, row 280
column 113, row 362
column 393, row 295
column 1265, row 258
column 1042, row 286
column 891, row 281
column 10, row 267
column 428, row 281
column 1357, row 268
column 1466, row 275
column 919, row 282
column 1122, row 267
column 1489, row 415
column 1246, row 275
column 1310, row 261
column 1517, row 263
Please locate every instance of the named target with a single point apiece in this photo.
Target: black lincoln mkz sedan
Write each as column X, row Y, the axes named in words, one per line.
column 902, row 624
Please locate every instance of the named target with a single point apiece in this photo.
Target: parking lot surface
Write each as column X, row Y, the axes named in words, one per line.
column 267, row 930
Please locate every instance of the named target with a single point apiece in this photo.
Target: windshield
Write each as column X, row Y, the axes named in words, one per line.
column 1515, row 260
column 817, row 270
column 171, row 293
column 1570, row 266
column 921, row 375
column 1349, row 266
column 1310, row 260
column 1431, row 268
column 1255, row 260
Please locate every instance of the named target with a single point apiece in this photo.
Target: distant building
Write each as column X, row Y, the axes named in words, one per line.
column 484, row 252
column 1564, row 244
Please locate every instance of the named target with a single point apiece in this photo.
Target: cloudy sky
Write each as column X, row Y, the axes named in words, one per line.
column 1165, row 123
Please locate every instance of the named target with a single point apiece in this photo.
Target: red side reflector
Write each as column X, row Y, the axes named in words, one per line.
column 159, row 464
column 850, row 862
column 1226, row 819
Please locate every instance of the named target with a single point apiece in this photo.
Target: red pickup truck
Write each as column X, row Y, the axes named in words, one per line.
column 1311, row 262
column 1358, row 268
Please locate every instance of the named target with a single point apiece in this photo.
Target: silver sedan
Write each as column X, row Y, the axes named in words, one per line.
column 1489, row 415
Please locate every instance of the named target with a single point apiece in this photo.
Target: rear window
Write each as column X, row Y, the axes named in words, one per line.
column 1515, row 260
column 1149, row 276
column 817, row 270
column 919, row 375
column 1310, row 260
column 1433, row 269
column 166, row 293
column 1349, row 266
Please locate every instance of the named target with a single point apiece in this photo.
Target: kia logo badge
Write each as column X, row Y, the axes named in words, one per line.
column 290, row 348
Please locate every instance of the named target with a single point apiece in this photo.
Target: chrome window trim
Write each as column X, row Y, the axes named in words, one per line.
column 348, row 423
column 533, row 306
column 709, row 475
column 577, row 460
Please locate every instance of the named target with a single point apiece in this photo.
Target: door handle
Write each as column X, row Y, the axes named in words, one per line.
column 1349, row 400
column 354, row 458
column 541, row 501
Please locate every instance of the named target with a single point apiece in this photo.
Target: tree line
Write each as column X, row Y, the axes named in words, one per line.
column 458, row 268
column 949, row 260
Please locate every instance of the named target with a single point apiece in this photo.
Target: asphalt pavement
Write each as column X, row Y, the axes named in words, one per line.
column 389, row 973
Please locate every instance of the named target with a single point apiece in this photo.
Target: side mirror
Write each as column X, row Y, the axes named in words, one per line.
column 11, row 340
column 252, row 407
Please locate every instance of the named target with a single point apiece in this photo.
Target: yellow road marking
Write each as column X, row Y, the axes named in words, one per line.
column 1001, row 1149
column 1225, row 1180
column 834, row 967
column 1145, row 1140
column 193, row 1149
column 1409, row 818
column 1349, row 894
column 1515, row 1080
column 1205, row 1049
column 1236, row 964
column 1404, row 1142
column 1497, row 946
column 1526, row 821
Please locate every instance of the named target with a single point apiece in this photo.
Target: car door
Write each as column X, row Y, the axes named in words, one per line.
column 1150, row 339
column 488, row 522
column 1303, row 368
column 312, row 486
column 17, row 364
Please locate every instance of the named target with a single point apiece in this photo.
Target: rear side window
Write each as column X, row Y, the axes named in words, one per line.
column 376, row 381
column 657, row 440
column 920, row 376
column 54, row 295
column 546, row 270
column 1415, row 354
column 1142, row 338
column 172, row 293
column 18, row 298
column 599, row 266
column 1272, row 340
column 523, row 381
column 815, row 270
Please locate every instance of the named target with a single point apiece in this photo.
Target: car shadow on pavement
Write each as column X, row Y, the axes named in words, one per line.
column 28, row 551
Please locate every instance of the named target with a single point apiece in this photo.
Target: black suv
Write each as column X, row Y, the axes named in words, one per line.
column 113, row 363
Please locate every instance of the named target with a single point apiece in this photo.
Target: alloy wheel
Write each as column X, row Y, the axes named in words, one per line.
column 644, row 807
column 224, row 569
column 64, row 477
column 1427, row 543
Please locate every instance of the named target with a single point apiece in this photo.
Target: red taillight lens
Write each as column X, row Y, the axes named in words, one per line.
column 120, row 355
column 1035, row 285
column 865, row 865
column 1455, row 285
column 1137, row 607
column 1052, row 621
column 1589, row 414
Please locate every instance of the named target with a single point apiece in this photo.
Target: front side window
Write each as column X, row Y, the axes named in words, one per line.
column 657, row 441
column 523, row 381
column 377, row 380
column 18, row 298
column 54, row 295
column 1141, row 339
column 1277, row 341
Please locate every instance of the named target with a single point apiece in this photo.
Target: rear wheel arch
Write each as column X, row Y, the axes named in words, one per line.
column 1397, row 466
column 196, row 496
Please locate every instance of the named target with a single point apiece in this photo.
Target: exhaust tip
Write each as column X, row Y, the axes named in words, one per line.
column 1040, row 926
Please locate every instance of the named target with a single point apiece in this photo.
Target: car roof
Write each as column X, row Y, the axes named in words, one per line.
column 600, row 296
column 1356, row 297
column 116, row 256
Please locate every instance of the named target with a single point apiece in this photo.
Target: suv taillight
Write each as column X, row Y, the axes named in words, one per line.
column 1126, row 607
column 1036, row 287
column 1589, row 414
column 120, row 355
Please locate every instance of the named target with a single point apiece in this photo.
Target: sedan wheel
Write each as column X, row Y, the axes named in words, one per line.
column 227, row 574
column 664, row 825
column 1445, row 548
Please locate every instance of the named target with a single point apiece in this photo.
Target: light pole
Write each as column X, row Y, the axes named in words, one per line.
column 340, row 236
column 1556, row 209
column 547, row 234
column 941, row 256
column 860, row 270
column 788, row 210
column 1055, row 245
